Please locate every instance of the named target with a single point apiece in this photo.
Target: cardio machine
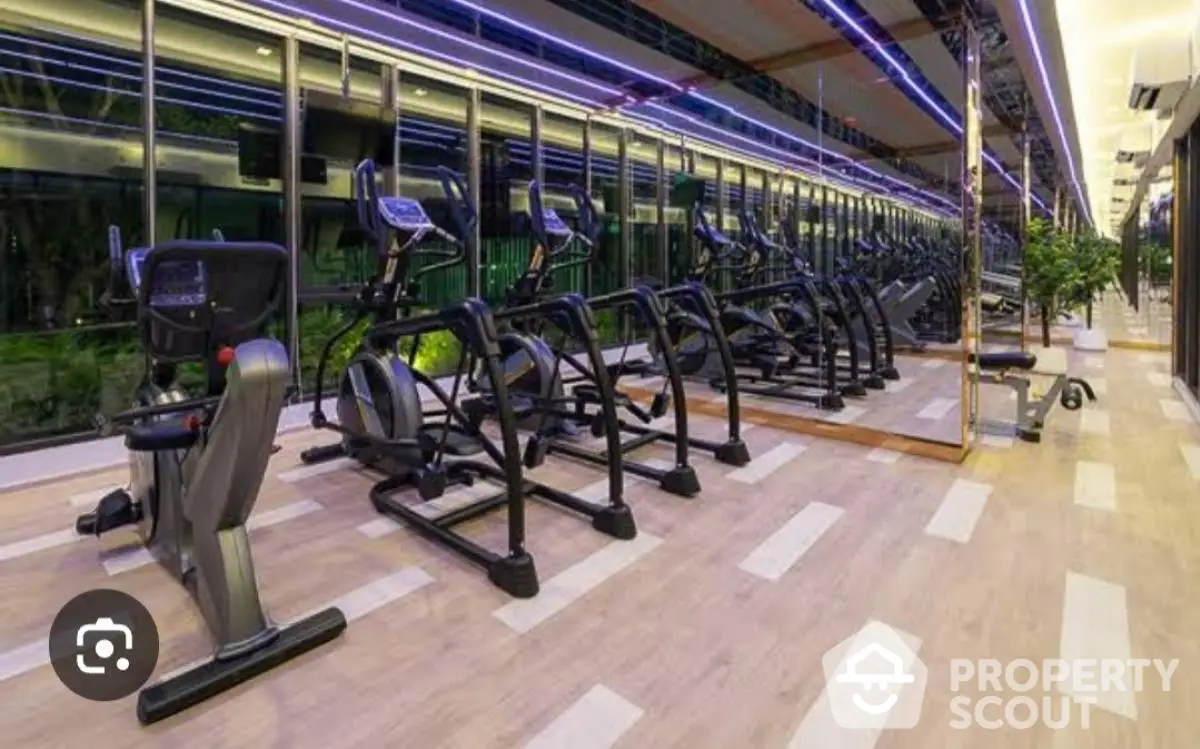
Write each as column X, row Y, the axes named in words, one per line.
column 197, row 464
column 385, row 426
column 767, row 356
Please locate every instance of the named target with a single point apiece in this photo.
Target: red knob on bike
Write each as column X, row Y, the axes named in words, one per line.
column 225, row 356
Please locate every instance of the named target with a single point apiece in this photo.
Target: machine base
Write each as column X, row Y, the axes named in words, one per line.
column 214, row 677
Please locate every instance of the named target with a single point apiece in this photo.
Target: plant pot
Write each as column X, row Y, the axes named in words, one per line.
column 1090, row 340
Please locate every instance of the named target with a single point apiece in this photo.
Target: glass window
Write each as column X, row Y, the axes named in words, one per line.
column 70, row 166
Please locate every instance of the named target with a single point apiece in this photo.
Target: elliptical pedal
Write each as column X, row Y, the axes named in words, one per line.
column 114, row 510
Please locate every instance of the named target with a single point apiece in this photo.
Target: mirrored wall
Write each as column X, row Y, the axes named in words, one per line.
column 254, row 135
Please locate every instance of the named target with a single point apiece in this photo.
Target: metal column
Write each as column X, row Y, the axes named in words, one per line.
column 149, row 127
column 719, row 213
column 588, row 277
column 972, row 216
column 389, row 80
column 291, row 197
column 538, row 162
column 795, row 218
column 624, row 202
column 474, row 241
column 1026, row 212
column 660, row 214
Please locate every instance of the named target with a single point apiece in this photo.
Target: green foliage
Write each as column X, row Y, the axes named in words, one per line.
column 1051, row 271
column 1156, row 264
column 1096, row 262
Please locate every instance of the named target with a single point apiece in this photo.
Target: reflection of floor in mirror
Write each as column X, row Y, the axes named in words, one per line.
column 925, row 402
column 1119, row 321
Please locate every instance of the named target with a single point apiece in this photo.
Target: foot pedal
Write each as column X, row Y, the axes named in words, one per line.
column 660, row 404
column 115, row 509
column 432, row 483
column 536, row 450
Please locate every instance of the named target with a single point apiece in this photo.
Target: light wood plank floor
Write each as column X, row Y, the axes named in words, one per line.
column 701, row 652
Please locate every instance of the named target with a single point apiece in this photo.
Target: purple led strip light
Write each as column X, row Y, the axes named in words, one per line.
column 1027, row 19
column 723, row 133
column 525, row 62
column 912, row 86
column 656, row 79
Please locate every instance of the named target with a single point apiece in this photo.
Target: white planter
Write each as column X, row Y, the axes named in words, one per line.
column 1090, row 340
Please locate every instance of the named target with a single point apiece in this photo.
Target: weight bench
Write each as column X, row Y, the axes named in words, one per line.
column 997, row 369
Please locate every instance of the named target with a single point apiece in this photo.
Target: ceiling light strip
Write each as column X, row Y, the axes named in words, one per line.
column 1031, row 33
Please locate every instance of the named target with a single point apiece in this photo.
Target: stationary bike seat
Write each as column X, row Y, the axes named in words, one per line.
column 1004, row 360
column 161, row 435
column 457, row 443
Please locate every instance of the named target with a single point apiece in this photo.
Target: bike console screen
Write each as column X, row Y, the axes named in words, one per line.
column 179, row 283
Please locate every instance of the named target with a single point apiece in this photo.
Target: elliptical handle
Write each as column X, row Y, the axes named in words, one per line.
column 461, row 209
column 366, row 196
column 537, row 219
column 589, row 218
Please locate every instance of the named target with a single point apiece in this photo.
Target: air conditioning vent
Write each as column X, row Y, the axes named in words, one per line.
column 1160, row 74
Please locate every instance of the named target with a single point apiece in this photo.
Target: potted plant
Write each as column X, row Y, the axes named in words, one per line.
column 1096, row 263
column 1049, row 270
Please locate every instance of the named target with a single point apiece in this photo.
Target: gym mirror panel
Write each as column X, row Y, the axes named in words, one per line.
column 71, row 159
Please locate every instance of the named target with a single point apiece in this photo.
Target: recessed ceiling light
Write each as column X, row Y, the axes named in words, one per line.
column 263, row 51
column 419, row 92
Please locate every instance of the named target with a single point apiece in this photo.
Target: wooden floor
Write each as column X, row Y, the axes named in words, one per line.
column 667, row 641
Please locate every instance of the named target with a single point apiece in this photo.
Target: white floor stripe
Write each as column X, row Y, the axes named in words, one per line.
column 819, row 729
column 1175, row 411
column 780, row 552
column 597, row 720
column 319, row 469
column 574, row 582
column 1095, row 626
column 25, row 658
column 38, row 543
column 847, row 415
column 126, row 559
column 1158, row 379
column 132, row 557
column 458, row 498
column 1191, row 456
column 933, row 363
column 375, row 595
column 354, row 605
column 938, row 408
column 993, row 440
column 743, row 427
column 767, row 463
column 1096, row 485
column 1092, row 421
column 1093, row 362
column 280, row 514
column 884, row 456
column 959, row 513
column 899, row 386
column 379, row 527
column 88, row 500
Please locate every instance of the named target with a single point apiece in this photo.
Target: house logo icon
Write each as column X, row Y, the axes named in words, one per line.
column 874, row 679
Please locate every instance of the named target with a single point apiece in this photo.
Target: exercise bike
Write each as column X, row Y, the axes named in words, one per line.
column 197, row 464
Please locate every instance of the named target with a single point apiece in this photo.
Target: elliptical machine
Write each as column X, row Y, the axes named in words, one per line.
column 384, row 425
column 197, row 464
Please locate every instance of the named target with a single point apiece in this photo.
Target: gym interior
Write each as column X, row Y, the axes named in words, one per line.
column 850, row 327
